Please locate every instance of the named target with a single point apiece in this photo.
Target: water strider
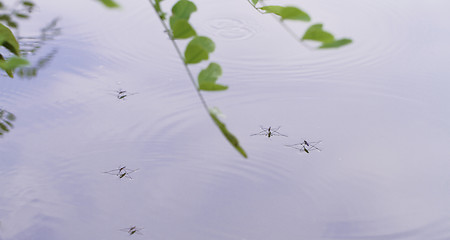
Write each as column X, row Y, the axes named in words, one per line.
column 122, row 94
column 122, row 172
column 269, row 132
column 305, row 146
column 132, row 230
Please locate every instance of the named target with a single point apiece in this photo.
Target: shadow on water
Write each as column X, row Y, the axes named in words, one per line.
column 6, row 119
column 30, row 46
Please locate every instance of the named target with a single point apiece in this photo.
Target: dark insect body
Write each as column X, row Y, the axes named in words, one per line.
column 269, row 132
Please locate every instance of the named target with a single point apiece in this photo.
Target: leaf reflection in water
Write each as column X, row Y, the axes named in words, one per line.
column 6, row 119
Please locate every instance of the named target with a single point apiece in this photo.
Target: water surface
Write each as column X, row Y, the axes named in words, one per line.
column 379, row 106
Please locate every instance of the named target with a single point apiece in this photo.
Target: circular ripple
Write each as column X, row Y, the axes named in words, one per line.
column 229, row 29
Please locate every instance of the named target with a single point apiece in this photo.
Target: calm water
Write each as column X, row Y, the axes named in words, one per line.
column 379, row 106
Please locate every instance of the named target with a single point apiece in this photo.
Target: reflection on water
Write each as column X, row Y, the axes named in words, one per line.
column 380, row 107
column 12, row 14
column 20, row 11
column 6, row 121
column 31, row 45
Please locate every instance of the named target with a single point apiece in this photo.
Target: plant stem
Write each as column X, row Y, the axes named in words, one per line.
column 283, row 24
column 180, row 55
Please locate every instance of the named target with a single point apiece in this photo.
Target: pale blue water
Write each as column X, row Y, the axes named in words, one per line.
column 379, row 106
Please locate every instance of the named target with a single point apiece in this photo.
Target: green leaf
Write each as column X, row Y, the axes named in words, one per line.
column 5, row 17
column 4, row 127
column 9, row 72
column 28, row 3
column 316, row 33
column 11, row 64
column 337, row 43
column 109, row 3
column 198, row 50
column 8, row 40
column 229, row 136
column 181, row 29
column 291, row 13
column 255, row 2
column 208, row 77
column 20, row 15
column 182, row 10
column 273, row 9
column 158, row 9
column 294, row 13
column 11, row 117
column 12, row 24
column 8, row 123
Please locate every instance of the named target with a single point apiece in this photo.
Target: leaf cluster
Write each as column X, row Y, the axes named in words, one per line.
column 6, row 119
column 21, row 10
column 313, row 33
column 197, row 50
column 9, row 41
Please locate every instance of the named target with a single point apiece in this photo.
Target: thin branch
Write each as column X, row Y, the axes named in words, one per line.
column 180, row 55
column 283, row 24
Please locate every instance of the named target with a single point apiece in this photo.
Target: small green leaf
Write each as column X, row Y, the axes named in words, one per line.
column 291, row 13
column 20, row 15
column 208, row 77
column 255, row 2
column 28, row 3
column 198, row 50
column 182, row 10
column 12, row 24
column 157, row 7
column 5, row 17
column 8, row 123
column 10, row 117
column 229, row 136
column 316, row 33
column 109, row 3
column 273, row 9
column 11, row 64
column 9, row 72
column 4, row 127
column 8, row 40
column 181, row 29
column 294, row 13
column 337, row 43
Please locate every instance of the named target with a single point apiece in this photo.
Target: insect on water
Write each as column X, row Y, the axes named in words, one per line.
column 305, row 146
column 132, row 230
column 122, row 172
column 269, row 132
column 122, row 94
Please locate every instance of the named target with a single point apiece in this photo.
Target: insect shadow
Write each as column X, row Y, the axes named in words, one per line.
column 132, row 230
column 305, row 146
column 122, row 172
column 269, row 132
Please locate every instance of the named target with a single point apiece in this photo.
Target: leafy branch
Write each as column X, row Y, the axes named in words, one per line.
column 313, row 33
column 9, row 41
column 197, row 50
